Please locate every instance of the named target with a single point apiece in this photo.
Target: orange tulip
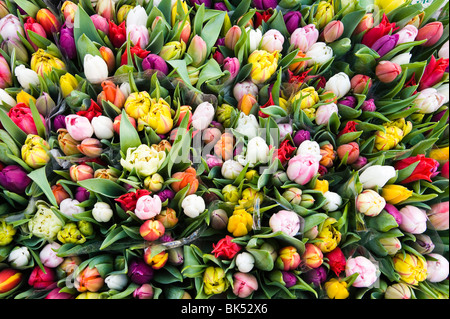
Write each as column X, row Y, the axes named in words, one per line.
column 299, row 66
column 89, row 280
column 48, row 21
column 246, row 103
column 111, row 93
column 224, row 146
column 9, row 279
column 189, row 176
column 60, row 193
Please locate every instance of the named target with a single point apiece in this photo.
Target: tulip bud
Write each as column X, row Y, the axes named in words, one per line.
column 333, row 31
column 423, row 244
column 232, row 37
column 116, row 282
column 288, row 259
column 359, row 83
column 414, row 220
column 9, row 279
column 370, row 203
column 231, row 64
column 139, row 272
column 95, row 68
column 219, row 219
column 432, row 32
column 385, row 44
column 366, row 23
column 324, row 14
column 245, row 262
column 151, row 230
column 351, row 150
column 144, row 292
column 173, row 50
column 312, row 257
column 81, row 172
column 103, row 127
column 437, row 269
column 89, row 280
column 307, row 201
column 438, row 216
column 5, row 73
column 316, row 276
column 244, row 284
column 108, row 57
column 158, row 261
column 272, row 41
column 3, row 9
column 292, row 20
column 293, row 195
column 102, row 212
column 324, row 112
column 14, row 179
column 48, row 21
column 19, row 257
column 391, row 244
column 35, row 151
column 48, row 255
column 197, row 50
column 398, row 291
column 69, row 9
column 42, row 278
column 387, row 71
column 155, row 62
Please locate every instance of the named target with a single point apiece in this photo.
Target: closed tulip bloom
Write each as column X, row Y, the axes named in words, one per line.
column 438, row 269
column 68, row 83
column 443, row 51
column 144, row 292
column 10, row 25
column 5, row 73
column 292, row 20
column 324, row 112
column 265, row 4
column 376, row 176
column 138, row 35
column 407, row 34
column 95, row 68
column 244, row 284
column 197, row 50
column 309, row 97
column 14, row 44
column 6, row 98
column 43, row 63
column 288, row 259
column 214, row 280
column 245, row 262
column 312, row 257
column 385, row 44
column 79, row 127
column 336, row 289
column 429, row 100
column 333, row 201
column 49, row 257
column 411, row 268
column 438, row 216
column 333, row 31
column 48, row 21
column 387, row 71
column 203, row 115
column 232, row 65
column 32, row 25
column 159, row 117
column 117, row 33
column 18, row 258
column 264, row 65
column 22, row 117
column 359, row 83
column 173, row 50
column 89, row 280
column 370, row 203
column 189, row 176
column 35, row 151
column 272, row 41
column 403, row 58
column 155, row 62
column 255, row 37
column 116, row 281
column 394, row 194
column 231, row 169
column 111, row 93
column 398, row 291
column 367, row 272
column 81, row 172
column 433, row 73
column 103, row 127
column 139, row 272
column 303, row 38
column 324, row 13
column 69, row 207
column 339, row 84
column 148, row 207
column 351, row 150
column 432, row 32
column 286, row 221
column 152, row 230
column 240, row 223
column 301, row 169
column 193, row 205
column 232, row 36
column 315, row 276
column 137, row 16
column 67, row 42
column 42, row 278
column 414, row 220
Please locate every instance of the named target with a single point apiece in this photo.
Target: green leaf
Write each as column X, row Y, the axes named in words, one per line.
column 129, row 137
column 210, row 32
column 279, row 235
column 83, row 25
column 40, row 178
column 113, row 236
column 29, row 7
column 102, row 186
column 14, row 131
column 40, row 127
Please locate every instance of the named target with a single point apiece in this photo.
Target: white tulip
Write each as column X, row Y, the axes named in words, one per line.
column 339, row 84
column 137, row 16
column 309, row 148
column 247, row 125
column 255, row 37
column 257, row 151
column 102, row 212
column 376, row 175
column 324, row 112
column 26, row 77
column 245, row 262
column 125, row 88
column 69, row 207
column 117, row 281
column 429, row 101
column 319, row 53
column 95, row 68
column 6, row 98
column 438, row 269
column 443, row 89
column 333, row 201
column 49, row 257
column 193, row 205
column 203, row 115
column 103, row 127
column 231, row 169
column 19, row 257
column 443, row 51
column 401, row 59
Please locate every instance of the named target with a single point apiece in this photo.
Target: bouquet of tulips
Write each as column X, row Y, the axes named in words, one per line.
column 256, row 149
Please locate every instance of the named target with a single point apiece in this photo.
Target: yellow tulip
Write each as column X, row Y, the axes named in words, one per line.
column 329, row 237
column 35, row 151
column 137, row 105
column 411, row 268
column 24, row 97
column 324, row 14
column 123, row 12
column 264, row 65
column 248, row 199
column 159, row 117
column 174, row 15
column 214, row 280
column 321, row 185
column 43, row 63
column 440, row 154
column 308, row 96
column 240, row 223
column 68, row 83
column 389, row 5
column 395, row 132
column 336, row 289
column 394, row 194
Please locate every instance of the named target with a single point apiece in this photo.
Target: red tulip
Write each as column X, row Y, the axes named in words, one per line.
column 426, row 169
column 225, row 248
column 377, row 32
column 433, row 73
column 336, row 260
column 22, row 117
column 42, row 279
column 117, row 33
column 9, row 279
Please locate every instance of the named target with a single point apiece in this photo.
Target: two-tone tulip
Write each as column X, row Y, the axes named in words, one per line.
column 35, row 151
column 48, row 21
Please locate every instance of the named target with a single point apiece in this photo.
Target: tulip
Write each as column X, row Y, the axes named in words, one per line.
column 303, row 38
column 398, row 291
column 32, row 25
column 44, row 223
column 95, row 68
column 301, row 136
column 367, row 272
column 240, row 223
column 197, row 50
column 324, row 112
column 264, row 65
column 411, row 268
column 67, row 144
column 151, row 230
column 6, row 98
column 9, row 279
column 265, row 4
column 167, row 217
column 394, row 194
column 429, row 100
column 69, row 207
column 4, row 11
column 292, row 20
column 14, row 179
column 14, row 44
column 48, row 21
column 214, row 280
column 333, row 201
column 35, row 151
column 117, row 34
column 438, row 269
column 245, row 262
column 78, row 127
column 387, row 71
column 144, row 292
column 359, row 83
column 423, row 244
column 49, row 257
column 67, row 42
column 7, row 233
column 434, row 71
column 255, row 37
column 329, row 237
column 189, row 176
column 351, row 150
column 81, row 172
column 366, row 23
column 231, row 65
column 432, row 32
column 286, row 221
column 272, row 41
column 159, row 117
column 407, row 34
column 203, row 115
column 138, row 35
column 5, row 74
column 312, row 257
column 301, row 169
column 315, row 276
column 105, row 8
column 10, row 25
column 68, row 83
column 414, row 220
column 243, row 88
column 100, row 23
column 231, row 169
column 403, row 58
column 173, row 50
column 438, row 215
column 89, row 279
column 193, row 205
column 244, row 284
column 43, row 63
column 19, row 257
column 155, row 62
column 382, row 29
column 42, row 278
column 324, row 14
column 148, row 207
column 333, row 31
column 443, row 51
column 336, row 289
column 232, row 36
column 339, row 84
column 139, row 272
column 385, row 44
column 288, row 259
column 391, row 244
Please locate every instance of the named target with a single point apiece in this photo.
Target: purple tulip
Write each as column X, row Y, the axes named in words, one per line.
column 220, row 6
column 155, row 62
column 265, row 4
column 59, row 122
column 213, row 161
column 139, row 272
column 67, row 42
column 289, row 278
column 394, row 212
column 437, row 117
column 301, row 136
column 166, row 194
column 292, row 20
column 360, row 162
column 82, row 194
column 207, row 3
column 385, row 44
column 14, row 179
column 369, row 106
column 220, row 41
column 349, row 101
column 317, row 276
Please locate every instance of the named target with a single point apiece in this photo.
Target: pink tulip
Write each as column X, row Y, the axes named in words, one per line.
column 367, row 272
column 333, row 31
column 244, row 284
column 148, row 207
column 203, row 116
column 324, row 112
column 5, row 74
column 437, row 270
column 9, row 26
column 301, row 169
column 285, row 221
column 81, row 172
column 387, row 71
column 100, row 23
column 438, row 215
column 432, row 32
column 231, row 64
column 138, row 35
column 414, row 220
column 48, row 255
column 79, row 127
column 407, row 34
column 304, row 38
column 272, row 41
